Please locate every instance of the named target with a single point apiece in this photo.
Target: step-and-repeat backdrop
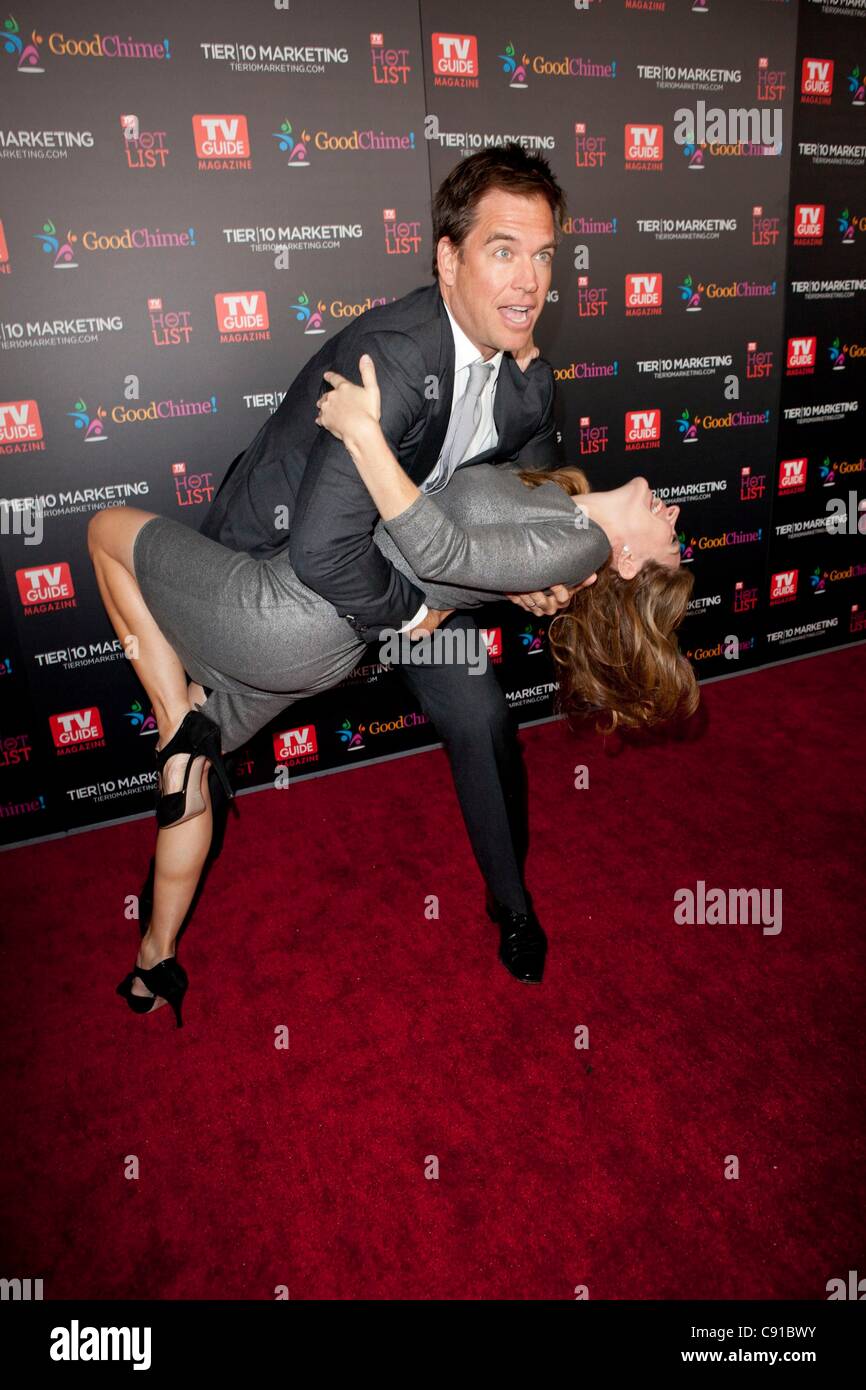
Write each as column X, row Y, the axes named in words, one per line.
column 193, row 196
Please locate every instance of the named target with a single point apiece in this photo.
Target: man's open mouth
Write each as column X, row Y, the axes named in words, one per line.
column 518, row 314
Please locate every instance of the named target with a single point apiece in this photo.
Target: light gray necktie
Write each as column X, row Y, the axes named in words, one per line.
column 464, row 423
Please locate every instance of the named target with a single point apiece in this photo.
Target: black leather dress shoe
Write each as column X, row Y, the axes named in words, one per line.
column 522, row 943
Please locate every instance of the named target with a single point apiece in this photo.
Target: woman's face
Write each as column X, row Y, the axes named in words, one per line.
column 647, row 525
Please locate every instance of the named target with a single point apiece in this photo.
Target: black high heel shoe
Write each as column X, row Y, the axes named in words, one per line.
column 167, row 980
column 200, row 737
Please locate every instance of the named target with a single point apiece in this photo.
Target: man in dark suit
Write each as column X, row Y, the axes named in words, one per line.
column 460, row 383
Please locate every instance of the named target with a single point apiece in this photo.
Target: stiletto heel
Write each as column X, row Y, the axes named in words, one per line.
column 198, row 736
column 211, row 746
column 166, row 980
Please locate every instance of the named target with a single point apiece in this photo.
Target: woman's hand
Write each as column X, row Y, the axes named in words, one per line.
column 346, row 405
column 527, row 354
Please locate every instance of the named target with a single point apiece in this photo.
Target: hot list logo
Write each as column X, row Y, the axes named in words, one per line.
column 5, row 266
column 20, row 428
column 144, row 149
column 191, row 489
column 46, row 588
column 14, row 750
column 816, row 81
column 752, row 485
column 644, row 148
column 77, row 729
column 593, row 438
column 643, row 295
column 857, row 618
column 591, row 300
column 745, row 599
column 809, row 224
column 771, row 82
column 759, row 364
column 390, row 65
column 783, row 586
column 168, row 329
column 401, row 238
column 297, row 746
column 222, row 142
column 454, row 59
column 792, row 475
column 590, row 151
column 242, row 317
column 643, row 429
column 801, row 356
column 532, row 640
column 765, row 230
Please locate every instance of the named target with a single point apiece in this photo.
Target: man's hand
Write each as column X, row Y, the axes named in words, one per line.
column 434, row 617
column 545, row 605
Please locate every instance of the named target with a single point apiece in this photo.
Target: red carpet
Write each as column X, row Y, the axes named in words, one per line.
column 557, row 1167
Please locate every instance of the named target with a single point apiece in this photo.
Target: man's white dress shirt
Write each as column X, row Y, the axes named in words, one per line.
column 485, row 436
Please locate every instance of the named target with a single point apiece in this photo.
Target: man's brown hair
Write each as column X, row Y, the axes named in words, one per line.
column 509, row 167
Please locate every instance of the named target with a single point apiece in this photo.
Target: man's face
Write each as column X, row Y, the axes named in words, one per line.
column 505, row 262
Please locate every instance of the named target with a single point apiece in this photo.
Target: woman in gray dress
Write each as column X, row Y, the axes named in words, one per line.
column 202, row 615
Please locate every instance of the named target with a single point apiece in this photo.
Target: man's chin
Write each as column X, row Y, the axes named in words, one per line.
column 517, row 342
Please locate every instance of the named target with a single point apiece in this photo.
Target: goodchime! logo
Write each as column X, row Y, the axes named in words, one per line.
column 59, row 248
column 351, row 738
column 94, row 433
column 295, row 145
column 311, row 316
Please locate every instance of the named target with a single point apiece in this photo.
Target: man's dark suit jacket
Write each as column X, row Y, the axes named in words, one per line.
column 297, row 467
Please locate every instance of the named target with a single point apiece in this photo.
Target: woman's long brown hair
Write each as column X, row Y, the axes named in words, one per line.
column 614, row 646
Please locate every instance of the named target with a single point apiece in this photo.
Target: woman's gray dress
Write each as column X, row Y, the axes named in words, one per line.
column 260, row 639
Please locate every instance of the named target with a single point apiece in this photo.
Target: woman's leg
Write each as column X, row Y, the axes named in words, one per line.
column 180, row 849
